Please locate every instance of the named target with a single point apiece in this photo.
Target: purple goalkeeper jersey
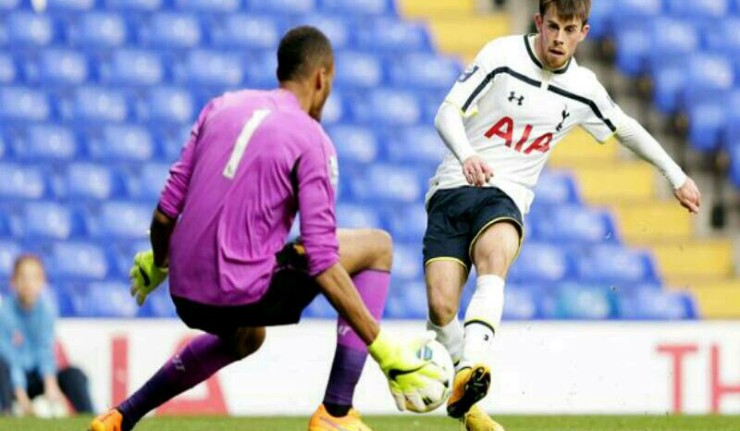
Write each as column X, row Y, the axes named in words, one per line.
column 253, row 160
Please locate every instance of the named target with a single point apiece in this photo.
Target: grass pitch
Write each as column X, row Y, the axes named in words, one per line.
column 401, row 423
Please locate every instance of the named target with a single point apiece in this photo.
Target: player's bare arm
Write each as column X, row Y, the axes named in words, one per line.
column 451, row 128
column 160, row 231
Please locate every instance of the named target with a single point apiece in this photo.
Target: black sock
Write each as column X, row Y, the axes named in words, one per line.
column 337, row 410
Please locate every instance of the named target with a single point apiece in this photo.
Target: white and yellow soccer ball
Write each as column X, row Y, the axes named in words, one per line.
column 436, row 393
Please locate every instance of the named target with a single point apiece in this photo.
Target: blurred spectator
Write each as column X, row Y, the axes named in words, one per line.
column 27, row 363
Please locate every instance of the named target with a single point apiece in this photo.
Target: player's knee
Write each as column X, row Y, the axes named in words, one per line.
column 442, row 308
column 248, row 341
column 383, row 249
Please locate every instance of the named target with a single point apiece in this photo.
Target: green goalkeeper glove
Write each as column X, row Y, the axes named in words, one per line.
column 145, row 276
column 409, row 376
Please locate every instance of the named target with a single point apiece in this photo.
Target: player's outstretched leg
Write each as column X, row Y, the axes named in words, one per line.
column 367, row 255
column 198, row 361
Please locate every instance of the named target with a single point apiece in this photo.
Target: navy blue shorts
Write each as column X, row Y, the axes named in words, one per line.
column 291, row 290
column 457, row 217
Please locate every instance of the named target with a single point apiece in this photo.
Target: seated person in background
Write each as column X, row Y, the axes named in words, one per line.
column 27, row 362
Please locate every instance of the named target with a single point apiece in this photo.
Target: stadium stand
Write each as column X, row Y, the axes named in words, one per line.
column 91, row 120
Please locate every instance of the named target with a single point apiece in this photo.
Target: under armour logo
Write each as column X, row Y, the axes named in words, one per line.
column 512, row 97
column 565, row 115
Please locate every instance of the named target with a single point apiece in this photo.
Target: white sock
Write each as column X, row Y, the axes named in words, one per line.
column 482, row 319
column 451, row 336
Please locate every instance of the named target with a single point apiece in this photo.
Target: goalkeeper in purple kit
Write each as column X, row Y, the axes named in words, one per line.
column 254, row 160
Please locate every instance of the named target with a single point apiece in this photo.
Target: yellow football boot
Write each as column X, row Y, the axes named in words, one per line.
column 323, row 421
column 469, row 387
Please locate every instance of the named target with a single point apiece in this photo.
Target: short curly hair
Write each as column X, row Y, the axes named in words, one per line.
column 569, row 9
column 301, row 50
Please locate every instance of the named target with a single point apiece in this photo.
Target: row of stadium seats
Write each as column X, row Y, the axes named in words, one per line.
column 123, row 220
column 59, row 69
column 282, row 7
column 168, row 31
column 691, row 52
column 107, row 256
column 385, row 106
column 556, row 301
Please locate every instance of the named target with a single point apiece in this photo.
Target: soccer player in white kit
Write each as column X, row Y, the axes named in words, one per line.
column 515, row 102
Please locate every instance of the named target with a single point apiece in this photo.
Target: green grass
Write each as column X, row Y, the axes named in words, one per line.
column 402, row 423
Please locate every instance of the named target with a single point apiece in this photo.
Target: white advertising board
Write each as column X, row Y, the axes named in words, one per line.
column 538, row 367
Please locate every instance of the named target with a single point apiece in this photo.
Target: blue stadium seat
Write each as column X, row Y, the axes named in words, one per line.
column 211, row 68
column 710, row 77
column 556, row 187
column 668, row 80
column 706, row 124
column 169, row 30
column 9, row 250
column 7, row 223
column 98, row 30
column 59, row 67
column 703, row 12
column 582, row 302
column 386, row 183
column 614, row 264
column 110, row 299
column 600, row 19
column 46, row 142
column 27, row 29
column 424, row 70
column 419, row 145
column 9, row 70
column 172, row 140
column 541, row 262
column 635, row 13
column 358, row 216
column 336, row 109
column 336, row 28
column 134, row 5
column 282, row 7
column 247, row 31
column 391, row 35
column 358, row 7
column 358, row 69
column 169, row 105
column 260, row 69
column 354, row 144
column 99, row 104
column 408, row 222
column 148, row 184
column 77, row 261
column 388, row 106
column 407, row 261
column 24, row 104
column 91, row 182
column 656, row 304
column 208, row 6
column 50, row 220
column 734, row 153
column 121, row 143
column 574, row 224
column 671, row 41
column 633, row 44
column 22, row 182
column 123, row 220
column 75, row 6
column 133, row 67
column 8, row 5
column 521, row 302
column 406, row 300
column 724, row 39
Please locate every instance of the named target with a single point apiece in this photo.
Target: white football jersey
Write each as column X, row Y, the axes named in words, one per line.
column 516, row 111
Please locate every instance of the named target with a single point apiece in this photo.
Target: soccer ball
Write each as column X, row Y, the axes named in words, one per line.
column 437, row 392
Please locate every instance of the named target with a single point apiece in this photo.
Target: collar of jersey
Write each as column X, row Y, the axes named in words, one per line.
column 537, row 61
